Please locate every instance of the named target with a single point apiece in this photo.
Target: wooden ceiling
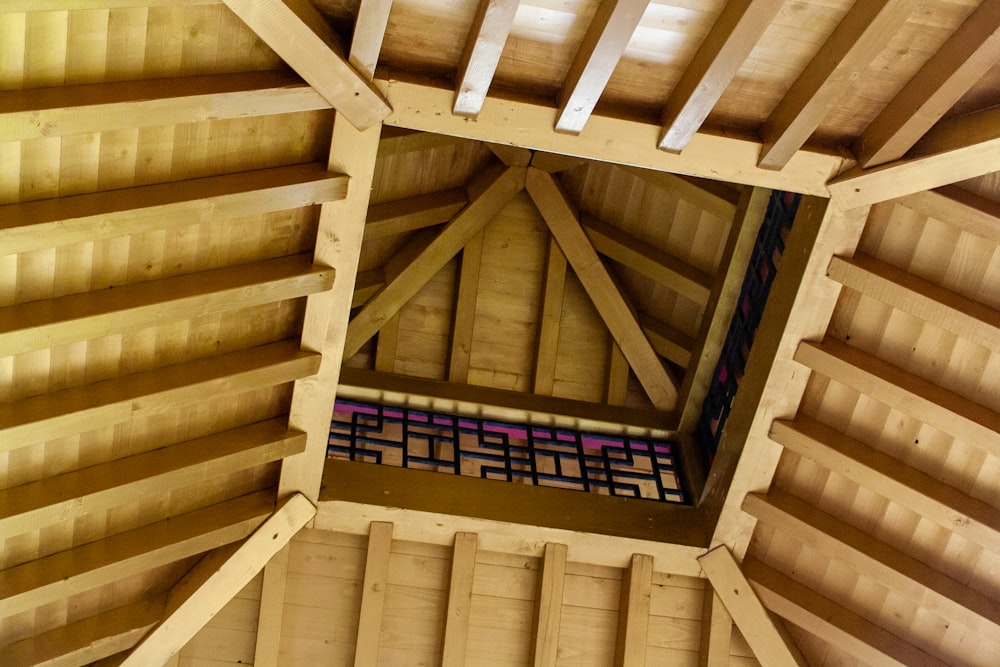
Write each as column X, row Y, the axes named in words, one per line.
column 538, row 209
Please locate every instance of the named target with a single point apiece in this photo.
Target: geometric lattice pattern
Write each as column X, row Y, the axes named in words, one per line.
column 536, row 455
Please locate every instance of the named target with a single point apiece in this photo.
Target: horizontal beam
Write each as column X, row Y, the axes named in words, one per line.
column 968, row 319
column 38, row 325
column 100, row 107
column 86, row 407
column 930, row 498
column 116, row 483
column 49, row 223
column 115, row 557
column 427, row 107
column 947, row 411
column 413, row 213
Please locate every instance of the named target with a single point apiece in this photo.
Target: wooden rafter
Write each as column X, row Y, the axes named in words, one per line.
column 413, row 213
column 397, row 141
column 718, row 198
column 731, row 39
column 617, row 375
column 297, row 32
column 549, row 319
column 716, row 631
column 962, row 209
column 487, row 38
column 459, row 610
column 669, row 342
column 465, row 310
column 603, row 45
column 562, row 221
column 961, row 62
column 633, row 612
column 862, row 33
column 549, row 602
column 373, row 596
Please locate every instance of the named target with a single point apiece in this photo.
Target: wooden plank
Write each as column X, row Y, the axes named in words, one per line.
column 38, row 325
column 731, row 39
column 603, row 45
column 768, row 639
column 373, row 597
column 86, row 407
column 933, row 500
column 859, row 37
column 427, row 107
column 648, row 260
column 189, row 610
column 298, row 33
column 832, row 622
column 481, row 209
column 903, row 574
column 413, row 213
column 50, row 223
column 921, row 298
column 954, row 414
column 83, row 568
column 633, row 612
column 953, row 150
column 267, row 643
column 957, row 66
column 90, row 639
column 456, row 627
column 669, row 342
column 90, row 108
column 549, row 319
column 465, row 310
column 548, row 604
column 719, row 199
column 564, row 224
column 716, row 632
column 959, row 208
column 487, row 37
column 115, row 483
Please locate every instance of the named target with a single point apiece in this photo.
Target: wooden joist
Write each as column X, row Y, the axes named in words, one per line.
column 101, row 107
column 50, row 223
column 413, row 213
column 603, row 45
column 903, row 574
column 460, row 353
column 459, row 610
column 298, row 33
column 86, row 407
column 562, row 221
column 373, row 594
column 115, row 483
column 862, row 33
column 716, row 631
column 670, row 343
column 944, row 410
column 549, row 603
column 633, row 612
column 935, row 501
column 832, row 622
column 487, row 38
column 64, row 574
column 37, row 325
column 962, row 209
column 731, row 39
column 549, row 320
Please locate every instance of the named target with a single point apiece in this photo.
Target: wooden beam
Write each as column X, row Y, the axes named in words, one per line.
column 968, row 319
column 38, row 325
column 90, row 108
column 716, row 197
column 501, row 189
column 427, row 107
column 670, row 343
column 862, row 33
column 901, row 573
column 719, row 58
column 648, row 260
column 465, row 310
column 616, row 375
column 833, row 622
column 953, row 150
column 487, row 37
column 562, row 221
column 767, row 638
column 413, row 213
column 367, row 285
column 90, row 639
column 945, row 410
column 548, row 605
column 115, row 483
column 726, row 288
column 716, row 631
column 633, row 612
column 549, row 320
column 83, row 568
column 23, row 6
column 369, row 32
column 603, row 45
column 397, row 141
column 957, row 66
column 459, row 610
column 512, row 156
column 267, row 643
column 961, row 209
column 299, row 34
column 86, row 407
column 553, row 162
column 189, row 611
column 373, row 594
column 50, row 223
column 385, row 345
column 930, row 498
